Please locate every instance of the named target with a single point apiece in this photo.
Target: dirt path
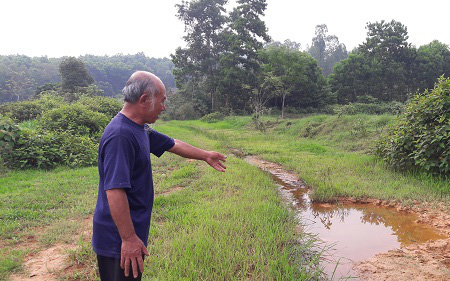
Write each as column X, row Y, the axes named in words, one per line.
column 51, row 263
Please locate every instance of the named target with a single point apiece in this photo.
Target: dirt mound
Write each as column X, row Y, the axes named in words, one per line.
column 49, row 264
column 44, row 264
column 426, row 261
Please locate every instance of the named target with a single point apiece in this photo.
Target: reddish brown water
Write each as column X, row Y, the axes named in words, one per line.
column 350, row 232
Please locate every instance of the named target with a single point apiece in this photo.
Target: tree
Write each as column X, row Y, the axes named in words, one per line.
column 387, row 44
column 354, row 77
column 326, row 49
column 74, row 74
column 432, row 61
column 19, row 85
column 300, row 79
column 244, row 37
column 292, row 45
column 198, row 62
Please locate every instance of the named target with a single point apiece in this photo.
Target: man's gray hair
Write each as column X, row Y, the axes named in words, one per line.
column 137, row 85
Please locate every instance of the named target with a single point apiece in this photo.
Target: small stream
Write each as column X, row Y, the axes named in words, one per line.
column 350, row 232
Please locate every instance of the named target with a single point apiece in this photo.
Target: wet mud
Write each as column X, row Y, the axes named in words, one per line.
column 369, row 239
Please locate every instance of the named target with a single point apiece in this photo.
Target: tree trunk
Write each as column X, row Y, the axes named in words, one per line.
column 282, row 106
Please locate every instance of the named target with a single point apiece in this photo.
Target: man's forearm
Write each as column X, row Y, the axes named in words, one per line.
column 188, row 151
column 120, row 212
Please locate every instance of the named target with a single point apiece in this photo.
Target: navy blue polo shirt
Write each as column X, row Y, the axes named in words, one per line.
column 124, row 162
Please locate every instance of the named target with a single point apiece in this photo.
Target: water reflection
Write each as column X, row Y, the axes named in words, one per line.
column 355, row 231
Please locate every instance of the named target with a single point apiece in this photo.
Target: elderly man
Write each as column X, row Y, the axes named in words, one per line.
column 125, row 195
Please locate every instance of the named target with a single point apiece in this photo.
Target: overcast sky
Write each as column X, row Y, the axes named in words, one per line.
column 66, row 27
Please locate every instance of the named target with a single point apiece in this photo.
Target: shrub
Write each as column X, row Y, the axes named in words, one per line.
column 21, row 111
column 184, row 111
column 369, row 108
column 108, row 106
column 213, row 117
column 74, row 118
column 50, row 100
column 36, row 150
column 79, row 151
column 46, row 150
column 420, row 139
column 9, row 135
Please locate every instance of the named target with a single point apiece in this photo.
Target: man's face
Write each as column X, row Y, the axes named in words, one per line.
column 155, row 108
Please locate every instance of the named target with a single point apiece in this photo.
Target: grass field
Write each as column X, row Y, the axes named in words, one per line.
column 331, row 153
column 215, row 226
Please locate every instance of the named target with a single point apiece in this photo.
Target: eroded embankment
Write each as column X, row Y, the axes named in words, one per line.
column 370, row 239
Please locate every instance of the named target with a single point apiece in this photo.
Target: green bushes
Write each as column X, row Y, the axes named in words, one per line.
column 369, row 108
column 48, row 149
column 21, row 111
column 37, row 150
column 213, row 117
column 421, row 137
column 9, row 134
column 75, row 118
column 61, row 134
column 108, row 106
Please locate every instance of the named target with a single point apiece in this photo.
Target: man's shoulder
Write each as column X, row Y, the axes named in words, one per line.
column 117, row 128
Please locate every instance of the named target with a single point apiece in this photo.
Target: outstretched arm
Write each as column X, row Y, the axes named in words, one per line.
column 214, row 159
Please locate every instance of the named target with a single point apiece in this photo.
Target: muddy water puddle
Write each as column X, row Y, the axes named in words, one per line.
column 350, row 232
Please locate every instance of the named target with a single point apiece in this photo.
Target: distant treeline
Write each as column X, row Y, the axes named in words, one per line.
column 230, row 64
column 20, row 76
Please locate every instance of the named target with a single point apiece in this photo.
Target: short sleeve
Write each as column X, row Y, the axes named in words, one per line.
column 119, row 157
column 159, row 143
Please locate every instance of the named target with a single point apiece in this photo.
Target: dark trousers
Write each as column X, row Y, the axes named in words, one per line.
column 110, row 270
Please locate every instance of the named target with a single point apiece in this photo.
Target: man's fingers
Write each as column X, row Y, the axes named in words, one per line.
column 222, row 157
column 134, row 267
column 140, row 264
column 144, row 250
column 127, row 267
column 122, row 262
column 218, row 168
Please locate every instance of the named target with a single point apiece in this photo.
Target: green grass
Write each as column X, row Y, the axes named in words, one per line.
column 37, row 198
column 229, row 226
column 331, row 153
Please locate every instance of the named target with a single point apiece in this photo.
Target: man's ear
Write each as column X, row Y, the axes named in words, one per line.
column 143, row 100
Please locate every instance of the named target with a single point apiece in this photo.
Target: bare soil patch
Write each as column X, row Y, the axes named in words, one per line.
column 170, row 191
column 425, row 261
column 50, row 263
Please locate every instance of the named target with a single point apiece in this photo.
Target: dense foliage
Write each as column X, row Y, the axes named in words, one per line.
column 21, row 111
column 9, row 134
column 22, row 77
column 58, row 133
column 75, row 119
column 421, row 137
column 387, row 67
